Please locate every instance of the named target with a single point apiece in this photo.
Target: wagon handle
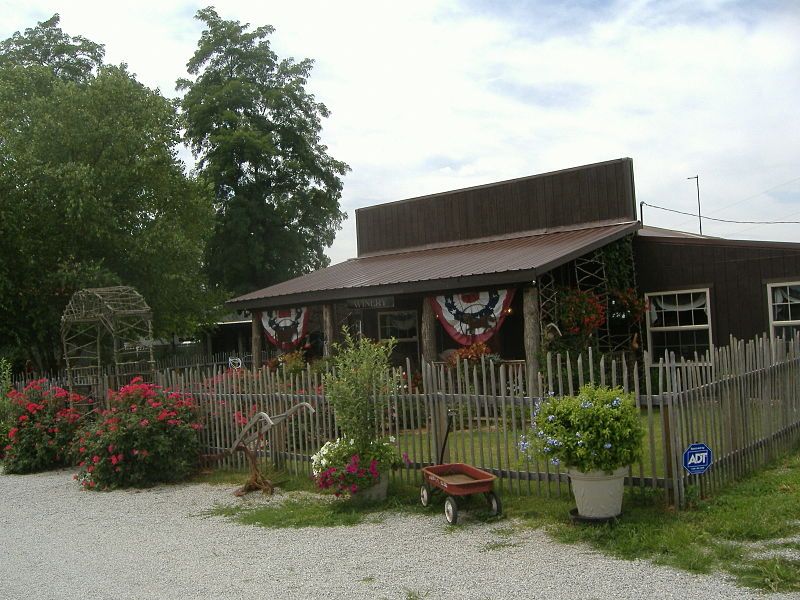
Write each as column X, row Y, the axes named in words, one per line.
column 450, row 414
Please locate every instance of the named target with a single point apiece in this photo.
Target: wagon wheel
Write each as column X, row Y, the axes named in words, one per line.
column 451, row 510
column 425, row 495
column 495, row 506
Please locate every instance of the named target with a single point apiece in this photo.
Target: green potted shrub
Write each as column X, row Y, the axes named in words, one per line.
column 358, row 462
column 596, row 435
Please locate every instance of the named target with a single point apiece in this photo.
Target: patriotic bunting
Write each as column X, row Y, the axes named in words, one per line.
column 472, row 317
column 286, row 327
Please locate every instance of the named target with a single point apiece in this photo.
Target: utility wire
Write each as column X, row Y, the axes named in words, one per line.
column 680, row 212
column 716, row 210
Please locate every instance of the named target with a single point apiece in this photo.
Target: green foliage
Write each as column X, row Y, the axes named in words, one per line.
column 618, row 261
column 256, row 133
column 6, row 417
column 148, row 436
column 68, row 58
column 93, row 193
column 599, row 429
column 361, row 368
column 43, row 427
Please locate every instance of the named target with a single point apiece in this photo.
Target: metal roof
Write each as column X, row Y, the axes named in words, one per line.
column 465, row 265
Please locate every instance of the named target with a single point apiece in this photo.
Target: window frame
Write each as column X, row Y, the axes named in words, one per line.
column 395, row 312
column 772, row 322
column 709, row 326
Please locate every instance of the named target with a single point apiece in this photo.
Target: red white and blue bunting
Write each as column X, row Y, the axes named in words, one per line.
column 474, row 316
column 285, row 327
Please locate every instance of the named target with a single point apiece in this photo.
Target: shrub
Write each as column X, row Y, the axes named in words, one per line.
column 148, row 435
column 599, row 429
column 6, row 419
column 43, row 425
column 341, row 465
column 360, row 368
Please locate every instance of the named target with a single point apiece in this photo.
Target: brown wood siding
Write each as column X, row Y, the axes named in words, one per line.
column 737, row 274
column 581, row 195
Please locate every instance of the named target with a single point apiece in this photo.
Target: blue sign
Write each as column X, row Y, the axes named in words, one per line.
column 697, row 458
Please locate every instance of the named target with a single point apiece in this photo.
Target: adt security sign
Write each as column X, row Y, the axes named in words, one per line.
column 697, row 459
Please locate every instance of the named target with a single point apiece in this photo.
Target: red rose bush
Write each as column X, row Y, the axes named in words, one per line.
column 148, row 435
column 42, row 424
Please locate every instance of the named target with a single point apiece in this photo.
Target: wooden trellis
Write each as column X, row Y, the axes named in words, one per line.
column 106, row 332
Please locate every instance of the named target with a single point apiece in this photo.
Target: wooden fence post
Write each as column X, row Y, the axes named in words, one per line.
column 256, row 339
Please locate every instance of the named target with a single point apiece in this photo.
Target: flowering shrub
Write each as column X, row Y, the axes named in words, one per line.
column 345, row 468
column 599, row 429
column 625, row 305
column 472, row 353
column 42, row 427
column 148, row 435
column 581, row 313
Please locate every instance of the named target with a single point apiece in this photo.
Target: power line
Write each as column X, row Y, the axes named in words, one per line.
column 721, row 208
column 680, row 212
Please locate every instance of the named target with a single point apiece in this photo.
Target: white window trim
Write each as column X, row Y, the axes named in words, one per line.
column 772, row 322
column 395, row 312
column 682, row 327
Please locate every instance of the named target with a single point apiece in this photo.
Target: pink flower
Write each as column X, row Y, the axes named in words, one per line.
column 353, row 488
column 144, row 422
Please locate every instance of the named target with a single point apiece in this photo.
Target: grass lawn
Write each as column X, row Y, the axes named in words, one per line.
column 750, row 531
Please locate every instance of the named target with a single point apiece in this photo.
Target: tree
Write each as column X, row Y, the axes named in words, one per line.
column 91, row 194
column 255, row 131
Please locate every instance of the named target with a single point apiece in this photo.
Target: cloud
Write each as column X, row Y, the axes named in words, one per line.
column 427, row 97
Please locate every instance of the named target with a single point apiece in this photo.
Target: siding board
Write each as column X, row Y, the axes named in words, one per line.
column 572, row 196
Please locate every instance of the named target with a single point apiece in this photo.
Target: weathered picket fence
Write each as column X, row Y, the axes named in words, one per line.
column 742, row 400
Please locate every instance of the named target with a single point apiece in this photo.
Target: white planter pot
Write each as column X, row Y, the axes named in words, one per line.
column 597, row 494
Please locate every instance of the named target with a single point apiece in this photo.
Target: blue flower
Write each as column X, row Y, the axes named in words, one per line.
column 551, row 394
column 580, row 443
column 551, row 418
column 577, row 434
column 586, row 404
column 616, row 402
column 524, row 444
column 555, row 461
column 606, row 445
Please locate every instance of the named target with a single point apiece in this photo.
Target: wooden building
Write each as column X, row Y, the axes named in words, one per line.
column 527, row 264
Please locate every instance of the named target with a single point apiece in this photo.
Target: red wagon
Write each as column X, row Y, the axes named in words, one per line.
column 458, row 480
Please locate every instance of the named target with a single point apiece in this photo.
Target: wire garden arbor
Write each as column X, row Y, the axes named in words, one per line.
column 106, row 332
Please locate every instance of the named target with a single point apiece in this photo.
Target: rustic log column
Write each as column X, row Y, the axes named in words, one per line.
column 256, row 339
column 327, row 327
column 428, row 331
column 530, row 314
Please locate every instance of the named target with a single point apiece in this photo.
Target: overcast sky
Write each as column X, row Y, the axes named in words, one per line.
column 432, row 96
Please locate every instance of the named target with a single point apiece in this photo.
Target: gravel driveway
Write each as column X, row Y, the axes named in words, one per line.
column 57, row 541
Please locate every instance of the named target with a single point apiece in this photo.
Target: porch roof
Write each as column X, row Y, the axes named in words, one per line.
column 467, row 264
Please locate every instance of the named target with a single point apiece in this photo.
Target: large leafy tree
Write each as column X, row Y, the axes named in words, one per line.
column 255, row 131
column 91, row 193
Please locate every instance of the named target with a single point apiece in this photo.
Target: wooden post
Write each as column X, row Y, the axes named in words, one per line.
column 532, row 330
column 327, row 327
column 428, row 331
column 256, row 339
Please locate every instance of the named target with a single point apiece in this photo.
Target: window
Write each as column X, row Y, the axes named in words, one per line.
column 679, row 322
column 784, row 309
column 399, row 324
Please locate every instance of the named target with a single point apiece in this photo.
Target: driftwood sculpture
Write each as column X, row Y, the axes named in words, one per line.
column 256, row 428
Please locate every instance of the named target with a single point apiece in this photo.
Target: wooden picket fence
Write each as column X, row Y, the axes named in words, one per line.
column 743, row 401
